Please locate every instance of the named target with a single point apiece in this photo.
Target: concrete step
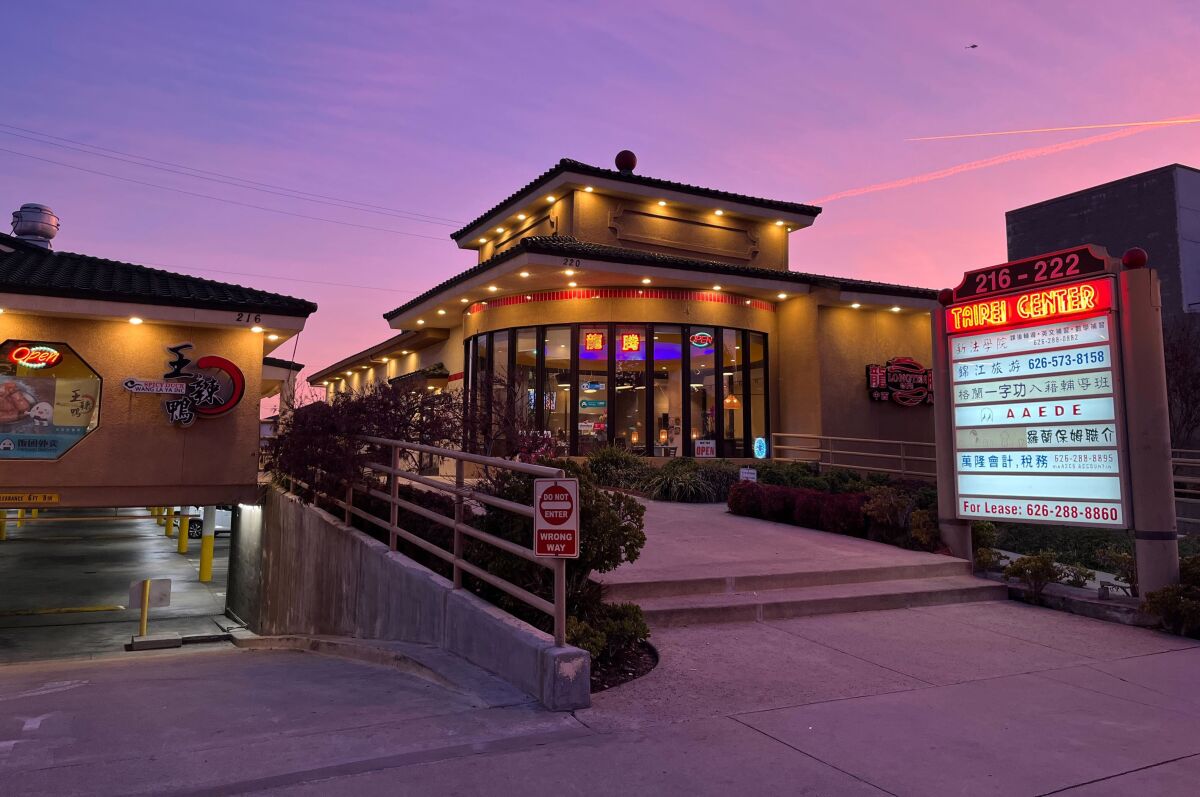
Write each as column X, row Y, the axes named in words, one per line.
column 639, row 590
column 778, row 604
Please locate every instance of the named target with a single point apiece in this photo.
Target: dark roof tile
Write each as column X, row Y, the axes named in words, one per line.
column 576, row 167
column 32, row 270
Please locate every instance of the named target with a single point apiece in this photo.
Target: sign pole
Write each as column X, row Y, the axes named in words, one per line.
column 1156, row 546
column 955, row 533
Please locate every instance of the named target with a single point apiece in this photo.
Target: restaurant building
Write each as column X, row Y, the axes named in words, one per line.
column 128, row 386
column 659, row 317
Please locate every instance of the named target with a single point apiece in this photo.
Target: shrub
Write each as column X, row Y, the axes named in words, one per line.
column 680, row 480
column 778, row 503
column 787, row 474
column 1122, row 564
column 624, row 628
column 842, row 513
column 1075, row 575
column 806, row 508
column 583, row 635
column 745, row 498
column 720, row 474
column 888, row 507
column 842, row 480
column 923, row 530
column 923, row 494
column 983, row 534
column 1036, row 571
column 1178, row 606
column 619, row 468
column 988, row 558
column 1189, row 571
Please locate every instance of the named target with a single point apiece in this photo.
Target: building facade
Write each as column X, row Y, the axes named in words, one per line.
column 122, row 385
column 611, row 308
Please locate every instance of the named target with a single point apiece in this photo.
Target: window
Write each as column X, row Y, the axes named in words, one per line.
column 629, row 425
column 757, row 358
column 702, row 388
column 524, row 379
column 556, row 387
column 668, row 390
column 733, row 397
column 592, row 396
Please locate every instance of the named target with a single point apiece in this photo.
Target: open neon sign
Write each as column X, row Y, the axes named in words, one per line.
column 1047, row 304
column 35, row 357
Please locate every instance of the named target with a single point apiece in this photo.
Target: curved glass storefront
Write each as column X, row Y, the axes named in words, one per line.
column 663, row 390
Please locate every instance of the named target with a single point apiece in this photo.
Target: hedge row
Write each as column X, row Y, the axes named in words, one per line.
column 841, row 513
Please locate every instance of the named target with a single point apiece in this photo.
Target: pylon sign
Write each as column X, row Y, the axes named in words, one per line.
column 1035, row 392
column 556, row 518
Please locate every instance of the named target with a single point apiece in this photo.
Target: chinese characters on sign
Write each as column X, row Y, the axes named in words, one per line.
column 593, row 341
column 1034, row 407
column 902, row 381
column 207, row 389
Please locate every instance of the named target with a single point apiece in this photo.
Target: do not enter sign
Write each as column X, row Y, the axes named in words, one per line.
column 556, row 518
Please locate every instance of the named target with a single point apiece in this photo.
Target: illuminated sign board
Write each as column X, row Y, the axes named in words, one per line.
column 631, row 341
column 1034, row 306
column 701, row 339
column 902, row 380
column 593, row 341
column 35, row 357
column 1034, row 394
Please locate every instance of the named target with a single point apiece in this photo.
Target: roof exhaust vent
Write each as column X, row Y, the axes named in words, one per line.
column 35, row 224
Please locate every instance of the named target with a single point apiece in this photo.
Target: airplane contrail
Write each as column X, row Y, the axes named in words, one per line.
column 1008, row 157
column 1156, row 123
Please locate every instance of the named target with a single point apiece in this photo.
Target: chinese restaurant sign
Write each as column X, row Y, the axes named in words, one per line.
column 902, row 381
column 49, row 399
column 207, row 389
column 1035, row 394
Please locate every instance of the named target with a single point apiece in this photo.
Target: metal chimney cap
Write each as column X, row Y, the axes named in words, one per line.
column 35, row 224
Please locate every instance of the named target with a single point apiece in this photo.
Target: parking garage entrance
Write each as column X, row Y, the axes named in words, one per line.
column 65, row 578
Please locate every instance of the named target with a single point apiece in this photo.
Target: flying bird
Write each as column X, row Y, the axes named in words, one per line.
column 970, row 46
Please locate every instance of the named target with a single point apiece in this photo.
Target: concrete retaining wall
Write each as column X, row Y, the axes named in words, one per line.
column 319, row 576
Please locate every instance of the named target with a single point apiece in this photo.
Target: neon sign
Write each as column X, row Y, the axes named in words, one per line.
column 631, row 341
column 701, row 339
column 593, row 341
column 35, row 357
column 1045, row 304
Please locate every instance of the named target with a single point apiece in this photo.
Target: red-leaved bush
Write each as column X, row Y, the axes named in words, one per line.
column 840, row 513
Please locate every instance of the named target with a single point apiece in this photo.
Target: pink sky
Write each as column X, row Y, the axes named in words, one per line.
column 445, row 108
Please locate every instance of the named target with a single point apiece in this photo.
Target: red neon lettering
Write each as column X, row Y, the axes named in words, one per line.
column 1045, row 304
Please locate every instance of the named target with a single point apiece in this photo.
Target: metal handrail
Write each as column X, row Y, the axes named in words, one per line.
column 825, row 450
column 461, row 495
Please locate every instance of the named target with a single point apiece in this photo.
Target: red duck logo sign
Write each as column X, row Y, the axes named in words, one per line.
column 208, row 387
column 902, row 380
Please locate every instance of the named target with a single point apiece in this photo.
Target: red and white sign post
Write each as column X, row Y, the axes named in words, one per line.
column 1052, row 402
column 556, row 518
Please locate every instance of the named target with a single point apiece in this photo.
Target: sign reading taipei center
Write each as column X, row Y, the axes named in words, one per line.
column 556, row 518
column 1035, row 386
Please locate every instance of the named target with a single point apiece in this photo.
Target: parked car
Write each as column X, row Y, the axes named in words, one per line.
column 196, row 524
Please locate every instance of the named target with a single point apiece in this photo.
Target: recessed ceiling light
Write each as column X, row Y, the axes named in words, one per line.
column 570, row 272
column 464, row 300
column 747, row 301
column 782, row 295
column 385, row 359
column 349, row 373
column 405, row 351
column 719, row 212
column 521, row 217
column 272, row 337
column 789, row 229
column 524, row 273
column 420, row 320
column 483, row 240
column 716, row 287
column 499, row 229
column 571, row 284
column 662, row 203
column 549, row 199
column 493, row 288
column 326, row 383
column 895, row 309
column 135, row 320
column 589, row 189
column 441, row 312
column 641, row 292
column 856, row 305
column 645, row 280
column 256, row 330
column 529, row 297
column 779, row 224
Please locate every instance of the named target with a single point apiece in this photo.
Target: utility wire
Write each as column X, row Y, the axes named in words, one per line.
column 260, row 275
column 228, row 176
column 408, row 217
column 221, row 199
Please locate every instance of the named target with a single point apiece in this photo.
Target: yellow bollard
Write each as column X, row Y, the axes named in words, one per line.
column 144, row 623
column 208, row 526
column 34, row 512
column 158, row 516
column 182, row 539
column 169, row 525
column 3, row 525
column 20, row 518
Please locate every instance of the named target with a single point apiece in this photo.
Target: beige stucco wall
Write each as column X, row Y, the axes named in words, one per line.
column 136, row 457
column 675, row 230
column 448, row 352
column 851, row 340
column 796, row 368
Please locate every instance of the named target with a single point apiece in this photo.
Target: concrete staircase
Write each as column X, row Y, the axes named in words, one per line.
column 779, row 595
